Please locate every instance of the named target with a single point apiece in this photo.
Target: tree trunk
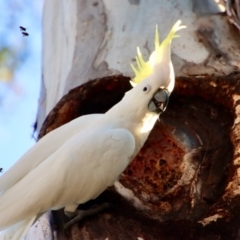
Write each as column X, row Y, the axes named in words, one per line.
column 184, row 182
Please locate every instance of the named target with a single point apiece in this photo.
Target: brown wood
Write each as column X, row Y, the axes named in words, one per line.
column 186, row 175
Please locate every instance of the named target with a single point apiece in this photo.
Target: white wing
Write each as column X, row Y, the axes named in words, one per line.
column 79, row 171
column 43, row 149
column 17, row 231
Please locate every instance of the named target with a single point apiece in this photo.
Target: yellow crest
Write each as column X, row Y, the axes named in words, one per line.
column 144, row 69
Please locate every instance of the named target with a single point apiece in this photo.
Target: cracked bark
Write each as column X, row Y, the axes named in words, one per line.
column 184, row 181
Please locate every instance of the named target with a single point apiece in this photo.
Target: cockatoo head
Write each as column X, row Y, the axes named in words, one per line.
column 155, row 78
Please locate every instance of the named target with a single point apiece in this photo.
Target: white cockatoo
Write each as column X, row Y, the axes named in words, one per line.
column 78, row 161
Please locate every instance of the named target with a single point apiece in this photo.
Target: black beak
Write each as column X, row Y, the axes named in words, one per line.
column 159, row 101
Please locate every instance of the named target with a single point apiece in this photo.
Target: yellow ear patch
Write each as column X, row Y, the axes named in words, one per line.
column 144, row 69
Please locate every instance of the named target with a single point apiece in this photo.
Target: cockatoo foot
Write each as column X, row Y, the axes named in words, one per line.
column 79, row 215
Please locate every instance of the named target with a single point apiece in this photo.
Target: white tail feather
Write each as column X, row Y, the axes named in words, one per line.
column 18, row 230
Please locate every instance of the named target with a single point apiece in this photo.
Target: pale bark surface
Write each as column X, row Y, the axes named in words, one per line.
column 86, row 40
column 83, row 40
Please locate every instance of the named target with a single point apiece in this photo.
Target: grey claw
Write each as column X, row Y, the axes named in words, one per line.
column 81, row 214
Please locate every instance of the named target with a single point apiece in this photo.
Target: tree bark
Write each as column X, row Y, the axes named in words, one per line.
column 184, row 182
column 185, row 175
column 84, row 40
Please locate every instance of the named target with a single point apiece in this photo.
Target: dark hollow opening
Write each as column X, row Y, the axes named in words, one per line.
column 189, row 153
column 184, row 165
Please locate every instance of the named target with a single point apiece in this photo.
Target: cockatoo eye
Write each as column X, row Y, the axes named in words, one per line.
column 146, row 89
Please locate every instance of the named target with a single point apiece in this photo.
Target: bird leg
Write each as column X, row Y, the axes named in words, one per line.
column 79, row 215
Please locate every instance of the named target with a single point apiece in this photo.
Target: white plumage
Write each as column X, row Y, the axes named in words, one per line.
column 78, row 161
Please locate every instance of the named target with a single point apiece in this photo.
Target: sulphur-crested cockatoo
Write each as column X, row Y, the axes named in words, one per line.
column 78, row 161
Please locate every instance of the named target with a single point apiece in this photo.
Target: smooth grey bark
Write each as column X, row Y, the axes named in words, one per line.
column 83, row 40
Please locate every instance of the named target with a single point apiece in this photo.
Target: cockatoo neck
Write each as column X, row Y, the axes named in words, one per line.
column 148, row 122
column 139, row 121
